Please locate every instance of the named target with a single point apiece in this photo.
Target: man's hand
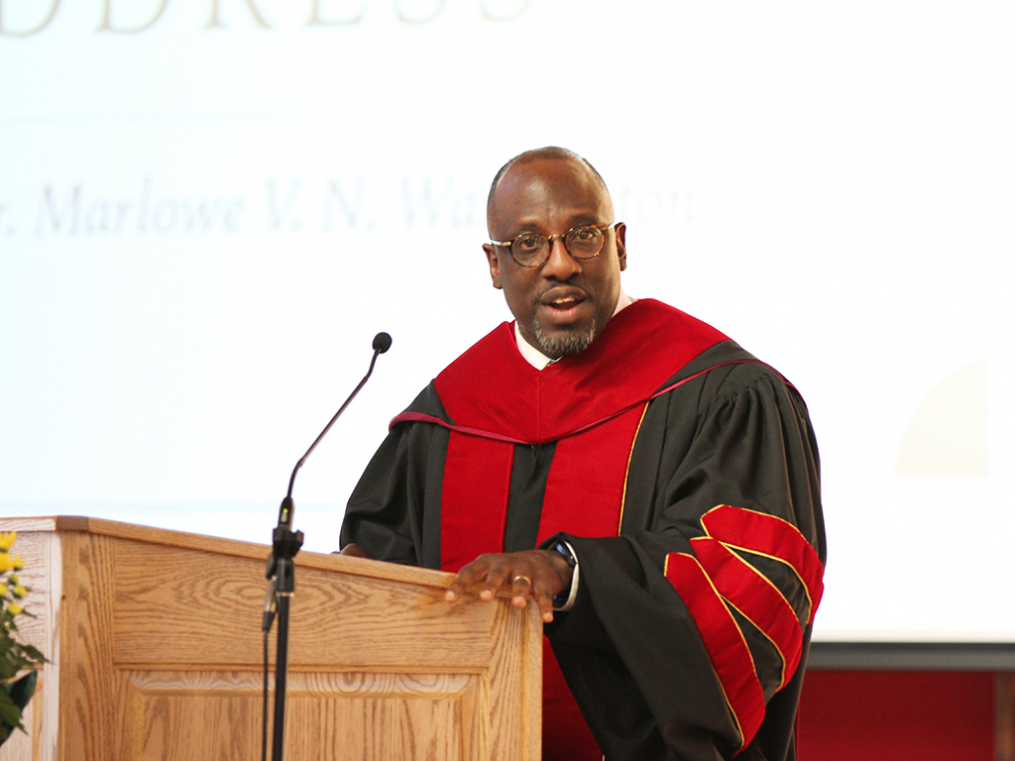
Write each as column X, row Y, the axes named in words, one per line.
column 522, row 576
column 354, row 551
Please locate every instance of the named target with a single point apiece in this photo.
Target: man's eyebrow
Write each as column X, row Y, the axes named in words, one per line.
column 575, row 220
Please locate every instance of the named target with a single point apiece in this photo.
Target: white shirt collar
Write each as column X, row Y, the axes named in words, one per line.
column 536, row 358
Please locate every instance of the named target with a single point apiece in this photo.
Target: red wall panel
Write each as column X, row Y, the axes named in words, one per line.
column 897, row 716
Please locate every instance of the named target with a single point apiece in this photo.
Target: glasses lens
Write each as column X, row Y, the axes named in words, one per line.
column 584, row 242
column 529, row 248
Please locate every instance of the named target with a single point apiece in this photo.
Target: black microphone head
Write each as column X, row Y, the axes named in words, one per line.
column 382, row 342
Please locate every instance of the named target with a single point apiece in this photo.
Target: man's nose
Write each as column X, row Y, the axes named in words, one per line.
column 560, row 264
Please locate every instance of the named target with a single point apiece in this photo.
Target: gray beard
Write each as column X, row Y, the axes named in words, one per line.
column 568, row 343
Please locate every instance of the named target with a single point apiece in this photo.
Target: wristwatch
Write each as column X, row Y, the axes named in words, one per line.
column 561, row 547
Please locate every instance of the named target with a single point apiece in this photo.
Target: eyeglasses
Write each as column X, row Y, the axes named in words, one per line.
column 533, row 249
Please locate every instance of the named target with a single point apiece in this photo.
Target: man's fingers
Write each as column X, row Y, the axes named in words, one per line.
column 519, row 576
column 521, row 589
column 471, row 579
column 496, row 582
column 354, row 551
column 546, row 608
column 454, row 592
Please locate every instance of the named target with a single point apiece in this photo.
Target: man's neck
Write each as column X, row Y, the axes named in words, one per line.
column 536, row 358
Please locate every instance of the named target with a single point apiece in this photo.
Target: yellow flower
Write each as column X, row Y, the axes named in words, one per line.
column 5, row 562
column 14, row 608
column 19, row 591
column 13, row 578
column 17, row 563
column 3, row 590
column 7, row 539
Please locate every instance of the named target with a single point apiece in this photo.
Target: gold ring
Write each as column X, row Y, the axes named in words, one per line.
column 518, row 578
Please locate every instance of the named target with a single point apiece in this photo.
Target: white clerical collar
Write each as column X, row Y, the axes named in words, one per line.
column 536, row 358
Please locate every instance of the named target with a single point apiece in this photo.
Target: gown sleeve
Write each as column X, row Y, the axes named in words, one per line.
column 386, row 512
column 689, row 631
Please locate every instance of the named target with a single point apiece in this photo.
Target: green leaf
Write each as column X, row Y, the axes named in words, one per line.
column 34, row 654
column 8, row 668
column 22, row 690
column 10, row 714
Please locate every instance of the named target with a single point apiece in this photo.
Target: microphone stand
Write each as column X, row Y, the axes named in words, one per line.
column 285, row 544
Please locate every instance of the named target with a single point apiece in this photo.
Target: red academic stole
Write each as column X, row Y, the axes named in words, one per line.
column 591, row 404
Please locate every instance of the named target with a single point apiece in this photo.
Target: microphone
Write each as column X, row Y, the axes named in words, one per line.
column 382, row 342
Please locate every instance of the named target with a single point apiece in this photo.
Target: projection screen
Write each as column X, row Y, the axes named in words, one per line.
column 209, row 207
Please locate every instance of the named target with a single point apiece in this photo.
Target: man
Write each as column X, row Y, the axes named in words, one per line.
column 668, row 479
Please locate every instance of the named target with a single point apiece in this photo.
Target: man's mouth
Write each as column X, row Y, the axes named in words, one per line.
column 564, row 305
column 563, row 297
column 565, row 302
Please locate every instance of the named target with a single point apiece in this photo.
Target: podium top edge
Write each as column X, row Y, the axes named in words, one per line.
column 67, row 524
column 46, row 523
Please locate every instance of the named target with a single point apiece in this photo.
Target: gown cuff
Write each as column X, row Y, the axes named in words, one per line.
column 569, row 602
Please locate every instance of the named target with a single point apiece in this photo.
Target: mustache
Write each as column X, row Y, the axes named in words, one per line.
column 571, row 282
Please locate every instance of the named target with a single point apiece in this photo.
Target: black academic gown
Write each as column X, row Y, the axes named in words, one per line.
column 671, row 648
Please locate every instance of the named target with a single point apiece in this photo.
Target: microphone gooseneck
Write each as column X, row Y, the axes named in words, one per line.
column 382, row 342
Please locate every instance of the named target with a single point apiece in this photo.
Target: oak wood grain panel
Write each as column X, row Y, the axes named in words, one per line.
column 408, row 729
column 509, row 736
column 531, row 684
column 358, row 684
column 503, row 706
column 28, row 524
column 130, row 737
column 213, row 604
column 171, row 727
column 88, row 685
column 329, row 716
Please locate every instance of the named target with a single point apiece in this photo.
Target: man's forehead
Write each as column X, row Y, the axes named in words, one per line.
column 546, row 181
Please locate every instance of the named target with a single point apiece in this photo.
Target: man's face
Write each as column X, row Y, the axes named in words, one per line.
column 563, row 304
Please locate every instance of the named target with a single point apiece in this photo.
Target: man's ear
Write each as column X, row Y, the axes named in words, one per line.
column 622, row 246
column 494, row 262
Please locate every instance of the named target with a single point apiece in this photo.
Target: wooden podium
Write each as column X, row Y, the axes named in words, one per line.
column 156, row 649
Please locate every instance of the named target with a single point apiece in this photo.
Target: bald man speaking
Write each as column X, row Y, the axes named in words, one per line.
column 649, row 484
